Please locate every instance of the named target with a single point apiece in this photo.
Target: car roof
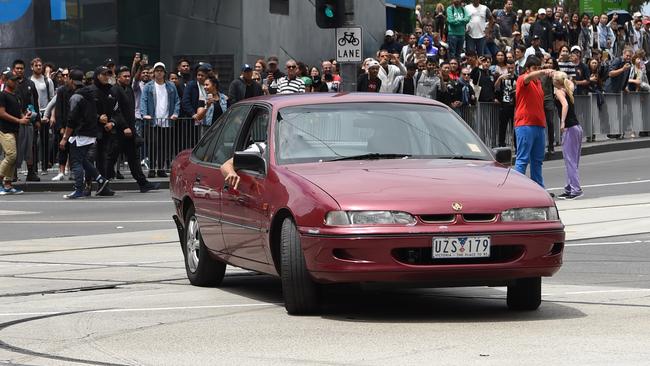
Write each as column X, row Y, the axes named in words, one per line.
column 288, row 100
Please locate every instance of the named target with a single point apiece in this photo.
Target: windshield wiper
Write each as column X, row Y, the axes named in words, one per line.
column 371, row 156
column 459, row 157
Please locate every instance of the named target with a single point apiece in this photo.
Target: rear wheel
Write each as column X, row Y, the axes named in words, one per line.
column 299, row 290
column 202, row 270
column 525, row 294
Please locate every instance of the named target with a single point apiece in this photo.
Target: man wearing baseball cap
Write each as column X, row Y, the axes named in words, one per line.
column 244, row 86
column 11, row 117
column 543, row 29
column 273, row 74
column 390, row 44
column 160, row 107
column 81, row 133
column 370, row 82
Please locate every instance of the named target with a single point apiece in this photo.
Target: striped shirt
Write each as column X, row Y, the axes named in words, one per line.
column 286, row 86
column 568, row 67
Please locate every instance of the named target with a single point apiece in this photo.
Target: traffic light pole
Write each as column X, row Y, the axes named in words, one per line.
column 348, row 70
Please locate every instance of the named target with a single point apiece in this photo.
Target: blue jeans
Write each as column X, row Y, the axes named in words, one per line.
column 530, row 150
column 476, row 44
column 80, row 164
column 455, row 46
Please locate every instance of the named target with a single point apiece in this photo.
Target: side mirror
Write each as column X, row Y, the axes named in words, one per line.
column 249, row 160
column 503, row 155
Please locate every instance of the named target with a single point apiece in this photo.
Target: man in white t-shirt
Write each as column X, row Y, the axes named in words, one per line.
column 45, row 90
column 159, row 106
column 479, row 15
column 389, row 69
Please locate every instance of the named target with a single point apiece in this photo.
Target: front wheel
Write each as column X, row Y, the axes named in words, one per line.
column 299, row 290
column 202, row 270
column 525, row 294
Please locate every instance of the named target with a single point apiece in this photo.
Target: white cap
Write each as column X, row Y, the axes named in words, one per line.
column 372, row 63
column 637, row 15
column 576, row 48
column 541, row 11
column 159, row 64
column 390, row 33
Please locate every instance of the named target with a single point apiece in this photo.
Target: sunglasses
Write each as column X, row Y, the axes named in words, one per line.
column 257, row 79
column 291, row 67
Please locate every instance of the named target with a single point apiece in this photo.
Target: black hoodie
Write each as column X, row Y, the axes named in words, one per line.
column 83, row 117
column 105, row 99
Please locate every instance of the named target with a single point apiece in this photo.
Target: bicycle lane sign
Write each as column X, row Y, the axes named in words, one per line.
column 349, row 44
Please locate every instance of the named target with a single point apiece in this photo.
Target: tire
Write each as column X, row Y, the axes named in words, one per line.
column 355, row 41
column 525, row 294
column 299, row 290
column 342, row 42
column 202, row 270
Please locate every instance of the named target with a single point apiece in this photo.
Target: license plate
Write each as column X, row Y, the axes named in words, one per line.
column 461, row 247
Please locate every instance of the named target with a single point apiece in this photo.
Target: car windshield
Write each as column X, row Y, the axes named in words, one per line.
column 349, row 131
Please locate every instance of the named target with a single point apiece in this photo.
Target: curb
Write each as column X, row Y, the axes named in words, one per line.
column 116, row 185
column 605, row 147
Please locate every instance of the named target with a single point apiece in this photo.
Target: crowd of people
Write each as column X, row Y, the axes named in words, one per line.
column 459, row 55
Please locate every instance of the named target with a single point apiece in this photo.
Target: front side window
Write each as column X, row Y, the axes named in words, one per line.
column 330, row 132
column 226, row 142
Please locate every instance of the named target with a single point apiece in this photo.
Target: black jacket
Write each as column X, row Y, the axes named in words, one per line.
column 62, row 109
column 26, row 91
column 83, row 117
column 237, row 91
column 362, row 83
column 125, row 118
column 543, row 29
column 106, row 103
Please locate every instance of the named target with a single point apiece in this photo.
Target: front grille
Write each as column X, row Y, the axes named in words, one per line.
column 423, row 256
column 440, row 218
column 479, row 217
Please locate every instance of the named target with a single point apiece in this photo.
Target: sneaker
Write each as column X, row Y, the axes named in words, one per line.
column 149, row 187
column 44, row 172
column 564, row 195
column 32, row 177
column 574, row 196
column 74, row 195
column 58, row 177
column 162, row 174
column 88, row 188
column 11, row 190
column 101, row 183
column 152, row 174
column 106, row 192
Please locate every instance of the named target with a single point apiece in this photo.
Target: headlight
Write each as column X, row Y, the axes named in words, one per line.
column 338, row 218
column 530, row 214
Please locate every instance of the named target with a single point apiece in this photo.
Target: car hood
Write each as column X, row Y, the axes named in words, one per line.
column 424, row 186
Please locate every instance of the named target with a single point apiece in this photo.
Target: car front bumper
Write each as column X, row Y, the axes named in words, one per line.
column 407, row 258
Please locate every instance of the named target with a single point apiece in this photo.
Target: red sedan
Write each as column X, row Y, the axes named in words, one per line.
column 353, row 188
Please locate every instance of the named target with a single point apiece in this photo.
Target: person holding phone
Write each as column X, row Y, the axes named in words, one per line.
column 11, row 117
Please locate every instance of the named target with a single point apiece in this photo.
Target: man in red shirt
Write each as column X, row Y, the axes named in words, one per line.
column 530, row 120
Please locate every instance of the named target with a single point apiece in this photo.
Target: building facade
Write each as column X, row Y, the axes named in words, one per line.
column 225, row 33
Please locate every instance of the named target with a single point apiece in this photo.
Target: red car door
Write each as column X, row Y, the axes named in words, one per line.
column 243, row 211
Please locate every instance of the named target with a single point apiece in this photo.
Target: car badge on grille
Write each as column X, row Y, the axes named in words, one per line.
column 457, row 206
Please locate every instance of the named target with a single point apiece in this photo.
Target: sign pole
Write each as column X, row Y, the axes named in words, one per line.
column 349, row 69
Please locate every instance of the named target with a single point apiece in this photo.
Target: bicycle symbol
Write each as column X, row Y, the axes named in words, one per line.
column 348, row 37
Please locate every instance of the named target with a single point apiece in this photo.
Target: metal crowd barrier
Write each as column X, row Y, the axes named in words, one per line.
column 163, row 139
column 613, row 115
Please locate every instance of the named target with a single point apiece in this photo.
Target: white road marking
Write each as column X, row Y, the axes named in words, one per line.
column 12, row 213
column 126, row 310
column 605, row 184
column 74, row 222
column 598, row 292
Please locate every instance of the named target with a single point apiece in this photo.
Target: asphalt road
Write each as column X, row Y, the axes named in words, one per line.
column 113, row 291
